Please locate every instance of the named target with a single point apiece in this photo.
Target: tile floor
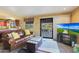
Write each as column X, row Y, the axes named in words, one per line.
column 65, row 48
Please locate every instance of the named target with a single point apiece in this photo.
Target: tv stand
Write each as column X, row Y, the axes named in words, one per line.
column 66, row 38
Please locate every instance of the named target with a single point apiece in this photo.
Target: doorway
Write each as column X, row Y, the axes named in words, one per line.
column 46, row 27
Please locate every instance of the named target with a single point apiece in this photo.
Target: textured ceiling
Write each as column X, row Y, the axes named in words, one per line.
column 36, row 10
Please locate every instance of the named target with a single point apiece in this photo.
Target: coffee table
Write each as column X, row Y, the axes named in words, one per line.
column 33, row 44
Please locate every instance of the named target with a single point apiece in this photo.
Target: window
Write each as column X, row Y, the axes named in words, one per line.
column 29, row 23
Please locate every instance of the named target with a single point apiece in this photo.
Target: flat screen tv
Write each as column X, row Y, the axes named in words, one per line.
column 70, row 28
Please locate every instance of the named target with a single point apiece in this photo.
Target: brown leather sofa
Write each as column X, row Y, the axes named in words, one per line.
column 10, row 43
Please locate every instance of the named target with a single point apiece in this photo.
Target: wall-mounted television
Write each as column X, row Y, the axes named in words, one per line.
column 70, row 28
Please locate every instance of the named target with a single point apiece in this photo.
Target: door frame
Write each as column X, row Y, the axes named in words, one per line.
column 41, row 28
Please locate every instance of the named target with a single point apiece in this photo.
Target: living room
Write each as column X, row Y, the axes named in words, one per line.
column 37, row 24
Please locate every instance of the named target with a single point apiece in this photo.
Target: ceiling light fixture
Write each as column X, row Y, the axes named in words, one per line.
column 64, row 8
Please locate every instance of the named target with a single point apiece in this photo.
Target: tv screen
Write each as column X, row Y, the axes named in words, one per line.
column 74, row 28
column 63, row 28
column 71, row 28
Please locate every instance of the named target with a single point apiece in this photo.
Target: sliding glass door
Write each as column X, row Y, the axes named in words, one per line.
column 46, row 27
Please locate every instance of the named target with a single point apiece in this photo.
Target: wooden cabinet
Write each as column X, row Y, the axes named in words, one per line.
column 67, row 39
column 17, row 22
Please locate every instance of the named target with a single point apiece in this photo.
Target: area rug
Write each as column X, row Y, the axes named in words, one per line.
column 48, row 45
